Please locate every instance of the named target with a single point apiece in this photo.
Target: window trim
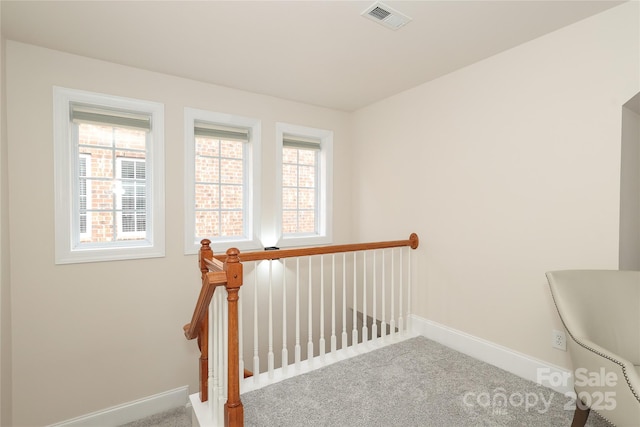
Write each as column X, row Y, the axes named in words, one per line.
column 65, row 165
column 324, row 209
column 252, row 195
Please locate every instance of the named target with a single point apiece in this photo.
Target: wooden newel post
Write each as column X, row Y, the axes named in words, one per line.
column 233, row 410
column 203, row 371
column 203, row 336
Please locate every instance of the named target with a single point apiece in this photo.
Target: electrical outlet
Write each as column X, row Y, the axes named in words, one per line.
column 558, row 340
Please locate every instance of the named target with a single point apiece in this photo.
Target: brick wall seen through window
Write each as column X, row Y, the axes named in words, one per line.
column 219, row 192
column 299, row 190
column 103, row 145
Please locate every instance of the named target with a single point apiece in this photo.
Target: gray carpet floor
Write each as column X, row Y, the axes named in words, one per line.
column 178, row 417
column 417, row 382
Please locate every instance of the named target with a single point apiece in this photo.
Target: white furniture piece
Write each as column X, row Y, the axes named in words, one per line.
column 600, row 310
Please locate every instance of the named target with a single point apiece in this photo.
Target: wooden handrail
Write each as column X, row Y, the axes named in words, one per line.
column 209, row 283
column 412, row 242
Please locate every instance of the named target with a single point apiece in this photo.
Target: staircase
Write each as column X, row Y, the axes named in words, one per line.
column 266, row 316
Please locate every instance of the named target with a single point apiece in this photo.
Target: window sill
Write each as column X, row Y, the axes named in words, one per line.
column 107, row 254
column 303, row 240
column 221, row 246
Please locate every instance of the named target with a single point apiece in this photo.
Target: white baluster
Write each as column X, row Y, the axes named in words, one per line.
column 240, row 338
column 310, row 323
column 354, row 331
column 270, row 358
column 365, row 329
column 392, row 321
column 383, row 324
column 285, row 352
column 409, row 275
column 321, row 342
column 256, row 341
column 215, row 355
column 297, row 348
column 344, row 300
column 400, row 318
column 333, row 305
column 212, row 382
column 374, row 324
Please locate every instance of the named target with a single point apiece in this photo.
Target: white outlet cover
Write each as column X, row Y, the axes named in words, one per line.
column 559, row 340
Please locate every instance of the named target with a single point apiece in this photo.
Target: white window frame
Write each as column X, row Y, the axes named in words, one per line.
column 251, row 191
column 324, row 207
column 68, row 248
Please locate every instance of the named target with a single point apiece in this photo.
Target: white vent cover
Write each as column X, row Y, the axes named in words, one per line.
column 385, row 15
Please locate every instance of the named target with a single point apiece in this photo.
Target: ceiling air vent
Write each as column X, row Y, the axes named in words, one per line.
column 383, row 14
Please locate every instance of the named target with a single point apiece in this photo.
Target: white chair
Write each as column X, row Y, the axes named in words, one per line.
column 600, row 310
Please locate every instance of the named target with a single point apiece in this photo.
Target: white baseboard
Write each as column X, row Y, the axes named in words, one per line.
column 131, row 411
column 519, row 364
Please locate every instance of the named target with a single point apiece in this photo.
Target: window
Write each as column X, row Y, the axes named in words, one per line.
column 109, row 177
column 299, row 185
column 304, row 185
column 222, row 193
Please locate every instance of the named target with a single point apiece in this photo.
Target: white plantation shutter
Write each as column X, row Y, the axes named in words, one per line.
column 83, row 192
column 132, row 200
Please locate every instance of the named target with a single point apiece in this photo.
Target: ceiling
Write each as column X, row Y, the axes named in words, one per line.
column 318, row 52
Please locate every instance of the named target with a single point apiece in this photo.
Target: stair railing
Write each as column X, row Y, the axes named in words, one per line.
column 374, row 282
column 208, row 317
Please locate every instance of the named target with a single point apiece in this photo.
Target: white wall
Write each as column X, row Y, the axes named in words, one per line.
column 5, row 288
column 630, row 186
column 90, row 336
column 506, row 169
